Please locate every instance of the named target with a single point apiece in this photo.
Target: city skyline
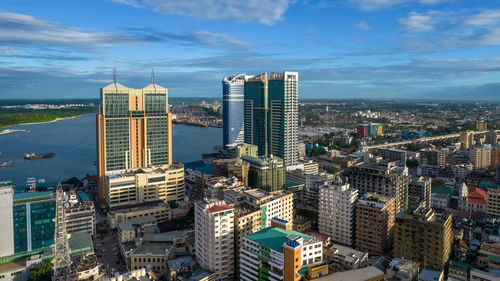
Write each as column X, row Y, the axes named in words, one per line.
column 430, row 49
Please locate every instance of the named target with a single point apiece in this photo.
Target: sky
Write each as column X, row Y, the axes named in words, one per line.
column 427, row 49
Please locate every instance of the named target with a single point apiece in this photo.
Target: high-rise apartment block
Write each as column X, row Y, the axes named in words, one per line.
column 423, row 236
column 369, row 130
column 214, row 238
column 374, row 223
column 492, row 138
column 233, row 90
column 382, row 178
column 481, row 126
column 278, row 253
column 466, row 140
column 337, row 205
column 268, row 173
column 275, row 204
column 493, row 205
column 7, row 231
column 143, row 185
column 134, row 130
column 481, row 157
column 271, row 114
column 495, row 158
column 419, row 193
column 433, row 157
column 393, row 154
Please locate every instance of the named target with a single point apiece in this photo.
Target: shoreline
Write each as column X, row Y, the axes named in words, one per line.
column 5, row 130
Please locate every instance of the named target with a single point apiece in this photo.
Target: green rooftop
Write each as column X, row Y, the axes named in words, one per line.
column 441, row 189
column 153, row 248
column 274, row 237
column 32, row 196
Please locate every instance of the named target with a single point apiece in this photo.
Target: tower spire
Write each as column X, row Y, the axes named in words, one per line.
column 114, row 75
column 152, row 76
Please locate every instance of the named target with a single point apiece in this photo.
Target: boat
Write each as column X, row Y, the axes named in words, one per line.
column 7, row 164
column 33, row 156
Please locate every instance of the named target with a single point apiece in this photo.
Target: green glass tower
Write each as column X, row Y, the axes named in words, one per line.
column 266, row 173
column 271, row 114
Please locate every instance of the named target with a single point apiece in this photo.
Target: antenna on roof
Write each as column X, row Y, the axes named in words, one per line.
column 114, row 74
column 152, row 76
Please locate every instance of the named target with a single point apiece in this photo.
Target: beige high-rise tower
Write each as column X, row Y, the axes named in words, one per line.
column 134, row 129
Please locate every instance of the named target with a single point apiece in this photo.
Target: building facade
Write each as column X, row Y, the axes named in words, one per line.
column 233, row 90
column 419, row 193
column 214, row 238
column 374, row 223
column 7, row 231
column 423, row 236
column 481, row 157
column 493, row 205
column 268, row 173
column 271, row 115
column 337, row 205
column 134, row 130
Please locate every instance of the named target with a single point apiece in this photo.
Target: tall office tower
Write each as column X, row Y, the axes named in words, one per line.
column 7, row 231
column 233, row 89
column 267, row 173
column 278, row 253
column 466, row 140
column 492, row 138
column 481, row 126
column 374, row 223
column 433, row 157
column 337, row 205
column 423, row 236
column 214, row 237
column 419, row 193
column 382, row 178
column 134, row 129
column 271, row 114
column 481, row 157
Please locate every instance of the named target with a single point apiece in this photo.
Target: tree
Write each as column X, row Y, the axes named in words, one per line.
column 332, row 170
column 173, row 204
column 411, row 147
column 412, row 163
column 42, row 272
column 74, row 181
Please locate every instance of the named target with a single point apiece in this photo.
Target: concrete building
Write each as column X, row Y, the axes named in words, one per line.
column 233, row 89
column 216, row 186
column 142, row 185
column 242, row 149
column 134, row 130
column 214, row 237
column 374, row 223
column 278, row 253
column 308, row 167
column 480, row 275
column 481, row 157
column 272, row 205
column 493, row 205
column 431, row 275
column 341, row 258
column 382, row 178
column 423, row 236
column 402, row 269
column 160, row 209
column 495, row 158
column 440, row 201
column 433, row 157
column 481, row 126
column 458, row 271
column 7, row 231
column 492, row 138
column 473, row 200
column 271, row 114
column 247, row 220
column 268, row 173
column 130, row 229
column 392, row 154
column 466, row 140
column 80, row 213
column 310, row 181
column 337, row 204
column 419, row 193
column 231, row 168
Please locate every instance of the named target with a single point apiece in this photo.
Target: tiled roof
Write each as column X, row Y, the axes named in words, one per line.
column 477, row 196
column 219, row 208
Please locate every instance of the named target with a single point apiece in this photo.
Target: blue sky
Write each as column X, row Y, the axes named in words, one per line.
column 443, row 49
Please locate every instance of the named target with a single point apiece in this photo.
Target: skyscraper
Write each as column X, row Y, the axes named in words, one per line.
column 7, row 231
column 271, row 114
column 134, row 129
column 232, row 109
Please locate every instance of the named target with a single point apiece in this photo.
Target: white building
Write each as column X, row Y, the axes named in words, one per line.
column 481, row 157
column 7, row 232
column 214, row 237
column 337, row 205
column 440, row 201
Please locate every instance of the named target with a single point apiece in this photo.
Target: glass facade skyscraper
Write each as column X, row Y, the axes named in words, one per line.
column 271, row 115
column 232, row 109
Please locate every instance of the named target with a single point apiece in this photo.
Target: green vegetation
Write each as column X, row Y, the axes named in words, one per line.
column 42, row 272
column 74, row 181
column 332, row 170
column 11, row 117
column 412, row 163
column 173, row 204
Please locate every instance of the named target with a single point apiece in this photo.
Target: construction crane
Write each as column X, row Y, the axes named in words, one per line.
column 60, row 249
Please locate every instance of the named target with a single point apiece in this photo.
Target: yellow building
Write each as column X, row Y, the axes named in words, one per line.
column 493, row 207
column 161, row 210
column 466, row 139
column 423, row 236
column 481, row 126
column 134, row 130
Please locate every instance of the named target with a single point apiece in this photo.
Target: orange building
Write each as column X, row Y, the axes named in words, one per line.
column 134, row 130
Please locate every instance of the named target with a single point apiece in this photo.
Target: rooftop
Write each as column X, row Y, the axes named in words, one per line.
column 362, row 274
column 219, row 208
column 429, row 275
column 274, row 237
column 349, row 254
column 154, row 248
column 25, row 197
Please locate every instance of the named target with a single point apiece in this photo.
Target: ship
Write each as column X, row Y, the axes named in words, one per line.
column 7, row 164
column 33, row 156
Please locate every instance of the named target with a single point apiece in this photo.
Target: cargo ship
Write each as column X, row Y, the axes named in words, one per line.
column 33, row 156
column 7, row 164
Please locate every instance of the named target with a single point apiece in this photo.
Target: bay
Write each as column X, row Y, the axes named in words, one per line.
column 74, row 143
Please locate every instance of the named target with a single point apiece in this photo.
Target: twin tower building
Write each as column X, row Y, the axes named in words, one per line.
column 134, row 131
column 262, row 110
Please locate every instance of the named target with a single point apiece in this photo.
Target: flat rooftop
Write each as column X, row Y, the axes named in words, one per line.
column 154, row 248
column 274, row 237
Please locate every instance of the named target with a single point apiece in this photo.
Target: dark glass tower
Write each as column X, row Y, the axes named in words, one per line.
column 232, row 109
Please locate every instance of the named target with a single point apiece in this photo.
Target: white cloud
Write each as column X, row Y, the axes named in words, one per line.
column 261, row 11
column 485, row 18
column 370, row 5
column 363, row 26
column 416, row 22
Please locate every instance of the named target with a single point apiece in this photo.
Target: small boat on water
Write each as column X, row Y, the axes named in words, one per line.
column 33, row 156
column 6, row 164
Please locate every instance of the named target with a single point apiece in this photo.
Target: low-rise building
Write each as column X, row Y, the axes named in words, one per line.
column 231, row 168
column 159, row 209
column 431, row 275
column 458, row 270
column 130, row 229
column 342, row 258
column 474, row 202
column 80, row 213
column 216, row 186
column 440, row 201
column 480, row 275
column 403, row 270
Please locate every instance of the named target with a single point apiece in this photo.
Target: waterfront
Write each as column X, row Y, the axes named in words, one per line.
column 73, row 142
